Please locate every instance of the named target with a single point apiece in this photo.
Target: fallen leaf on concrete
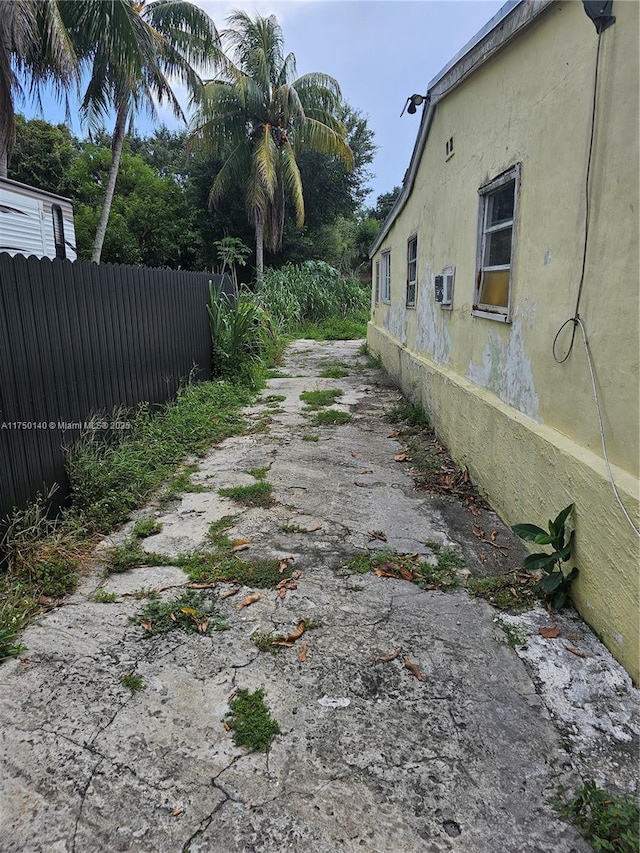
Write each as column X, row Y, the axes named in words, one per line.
column 365, row 471
column 407, row 574
column 189, row 611
column 414, row 669
column 314, row 528
column 390, row 657
column 549, row 633
column 194, row 586
column 147, row 626
column 284, row 562
column 237, row 542
column 353, row 453
column 226, row 727
column 202, row 627
column 173, row 617
column 282, row 643
column 302, row 654
column 493, row 535
column 229, row 593
column 575, row 652
column 177, row 811
column 378, row 534
column 393, row 434
column 400, row 457
column 255, row 596
column 380, row 572
column 297, row 574
column 474, row 510
column 361, row 485
column 242, row 547
column 295, row 635
column 282, row 592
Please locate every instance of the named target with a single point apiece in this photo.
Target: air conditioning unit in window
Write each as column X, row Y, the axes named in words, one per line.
column 444, row 287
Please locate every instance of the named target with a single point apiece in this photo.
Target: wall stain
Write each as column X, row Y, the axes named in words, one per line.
column 506, row 371
column 432, row 334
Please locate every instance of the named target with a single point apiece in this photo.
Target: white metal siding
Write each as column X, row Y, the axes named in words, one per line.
column 20, row 224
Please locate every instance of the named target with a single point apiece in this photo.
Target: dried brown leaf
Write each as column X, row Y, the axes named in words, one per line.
column 242, row 547
column 314, row 528
column 354, row 454
column 282, row 592
column 237, row 542
column 229, row 593
column 226, row 727
column 414, row 669
column 147, row 626
column 366, row 471
column 549, row 633
column 575, row 652
column 177, row 811
column 173, row 617
column 282, row 643
column 202, row 627
column 250, row 599
column 400, row 457
column 302, row 654
column 389, row 657
column 295, row 635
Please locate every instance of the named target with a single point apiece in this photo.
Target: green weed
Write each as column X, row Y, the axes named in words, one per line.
column 293, row 528
column 411, row 414
column 310, row 437
column 335, row 371
column 387, row 563
column 8, row 648
column 332, row 329
column 146, row 527
column 209, row 567
column 122, row 558
column 250, row 720
column 216, row 535
column 256, row 494
column 104, row 597
column 275, row 398
column 132, row 682
column 192, row 613
column 331, row 417
column 609, row 823
column 513, row 592
column 259, row 473
column 317, row 399
column 514, row 635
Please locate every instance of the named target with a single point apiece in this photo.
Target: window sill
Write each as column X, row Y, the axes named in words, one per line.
column 491, row 315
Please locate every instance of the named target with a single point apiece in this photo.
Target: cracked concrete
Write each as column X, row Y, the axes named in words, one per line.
column 370, row 758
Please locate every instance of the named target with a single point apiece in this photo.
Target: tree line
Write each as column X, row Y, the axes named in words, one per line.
column 263, row 142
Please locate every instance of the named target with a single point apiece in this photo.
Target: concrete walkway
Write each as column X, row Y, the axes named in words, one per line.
column 370, row 757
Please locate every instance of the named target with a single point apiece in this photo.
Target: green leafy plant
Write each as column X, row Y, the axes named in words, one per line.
column 104, row 597
column 8, row 648
column 256, row 494
column 146, row 527
column 192, row 612
column 555, row 583
column 317, row 399
column 610, row 823
column 250, row 721
column 331, row 417
column 132, row 682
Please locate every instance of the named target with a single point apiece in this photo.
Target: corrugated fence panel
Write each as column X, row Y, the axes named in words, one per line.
column 81, row 339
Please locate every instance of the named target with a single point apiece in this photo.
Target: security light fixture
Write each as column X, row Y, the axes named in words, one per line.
column 413, row 102
column 600, row 13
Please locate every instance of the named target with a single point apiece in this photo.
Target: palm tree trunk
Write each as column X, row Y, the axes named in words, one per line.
column 116, row 151
column 259, row 247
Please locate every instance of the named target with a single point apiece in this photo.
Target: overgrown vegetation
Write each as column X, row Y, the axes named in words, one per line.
column 112, row 474
column 337, row 370
column 145, row 527
column 388, row 564
column 610, row 823
column 250, row 721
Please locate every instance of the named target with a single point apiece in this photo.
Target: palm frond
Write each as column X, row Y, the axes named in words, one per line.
column 318, row 136
column 293, row 181
column 265, row 158
column 232, row 174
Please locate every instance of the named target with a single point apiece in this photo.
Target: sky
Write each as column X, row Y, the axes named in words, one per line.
column 379, row 51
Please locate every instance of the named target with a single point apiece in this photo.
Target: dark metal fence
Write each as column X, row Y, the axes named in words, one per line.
column 79, row 340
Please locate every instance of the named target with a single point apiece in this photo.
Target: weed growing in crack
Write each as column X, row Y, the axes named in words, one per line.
column 515, row 637
column 130, row 556
column 259, row 473
column 411, row 414
column 132, row 682
column 513, row 592
column 331, row 417
column 337, row 370
column 192, row 613
column 275, row 398
column 254, row 495
column 104, row 597
column 216, row 535
column 209, row 567
column 264, row 641
column 388, row 564
column 250, row 721
column 310, row 437
column 317, row 399
column 608, row 822
column 146, row 527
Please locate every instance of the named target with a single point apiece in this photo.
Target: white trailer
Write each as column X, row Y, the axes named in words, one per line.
column 35, row 222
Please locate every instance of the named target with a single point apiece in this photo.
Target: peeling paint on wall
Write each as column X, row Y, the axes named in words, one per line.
column 395, row 322
column 432, row 334
column 506, row 371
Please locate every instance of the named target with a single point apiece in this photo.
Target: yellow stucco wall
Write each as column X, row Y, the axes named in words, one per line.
column 526, row 426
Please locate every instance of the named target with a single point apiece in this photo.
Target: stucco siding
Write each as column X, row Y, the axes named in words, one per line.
column 531, row 105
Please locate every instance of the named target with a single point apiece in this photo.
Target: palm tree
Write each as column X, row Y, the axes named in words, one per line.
column 34, row 43
column 258, row 116
column 135, row 47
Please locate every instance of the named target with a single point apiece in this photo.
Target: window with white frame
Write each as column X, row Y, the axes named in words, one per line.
column 377, row 285
column 412, row 270
column 385, row 276
column 496, row 242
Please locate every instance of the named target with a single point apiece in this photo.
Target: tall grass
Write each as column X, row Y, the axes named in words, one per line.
column 310, row 293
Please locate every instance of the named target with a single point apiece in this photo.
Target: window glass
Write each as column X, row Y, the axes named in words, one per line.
column 498, row 248
column 500, row 205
